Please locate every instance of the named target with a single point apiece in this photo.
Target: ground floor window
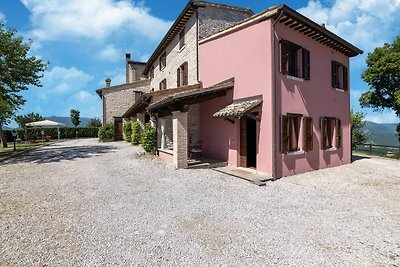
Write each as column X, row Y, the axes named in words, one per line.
column 331, row 133
column 290, row 132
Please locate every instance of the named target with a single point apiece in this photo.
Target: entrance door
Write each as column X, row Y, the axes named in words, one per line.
column 118, row 129
column 248, row 143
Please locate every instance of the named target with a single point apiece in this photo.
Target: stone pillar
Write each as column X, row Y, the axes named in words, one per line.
column 180, row 139
column 140, row 117
column 163, row 142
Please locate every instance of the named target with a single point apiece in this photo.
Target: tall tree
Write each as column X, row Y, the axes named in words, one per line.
column 18, row 71
column 358, row 136
column 94, row 122
column 22, row 120
column 75, row 117
column 383, row 77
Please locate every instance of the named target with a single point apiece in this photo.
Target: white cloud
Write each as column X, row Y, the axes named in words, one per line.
column 386, row 116
column 110, row 53
column 365, row 23
column 2, row 17
column 92, row 19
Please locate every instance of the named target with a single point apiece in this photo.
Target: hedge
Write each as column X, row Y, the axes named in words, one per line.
column 65, row 132
column 136, row 136
column 107, row 133
column 149, row 138
column 128, row 131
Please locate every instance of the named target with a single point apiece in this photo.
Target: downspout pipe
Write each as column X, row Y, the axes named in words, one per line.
column 274, row 105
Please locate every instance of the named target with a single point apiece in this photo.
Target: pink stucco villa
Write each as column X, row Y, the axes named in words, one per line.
column 267, row 91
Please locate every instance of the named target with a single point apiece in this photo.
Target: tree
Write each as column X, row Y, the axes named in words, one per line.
column 18, row 71
column 75, row 117
column 383, row 77
column 95, row 122
column 358, row 136
column 22, row 120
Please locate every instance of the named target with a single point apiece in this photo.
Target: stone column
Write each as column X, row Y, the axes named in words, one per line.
column 140, row 117
column 163, row 142
column 180, row 138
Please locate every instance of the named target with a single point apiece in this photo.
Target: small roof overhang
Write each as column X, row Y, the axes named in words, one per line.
column 182, row 101
column 239, row 107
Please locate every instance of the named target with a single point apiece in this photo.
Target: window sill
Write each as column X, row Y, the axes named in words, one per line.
column 295, row 153
column 332, row 149
column 162, row 68
column 294, row 78
column 339, row 90
column 182, row 48
column 166, row 151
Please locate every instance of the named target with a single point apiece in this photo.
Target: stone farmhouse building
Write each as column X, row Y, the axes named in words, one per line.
column 267, row 91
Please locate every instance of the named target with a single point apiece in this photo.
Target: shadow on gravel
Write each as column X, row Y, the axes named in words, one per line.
column 56, row 154
column 355, row 158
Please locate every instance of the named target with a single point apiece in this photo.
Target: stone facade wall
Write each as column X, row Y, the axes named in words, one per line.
column 176, row 57
column 118, row 100
column 212, row 20
column 136, row 72
column 194, row 124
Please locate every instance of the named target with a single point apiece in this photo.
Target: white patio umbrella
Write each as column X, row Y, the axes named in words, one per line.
column 46, row 123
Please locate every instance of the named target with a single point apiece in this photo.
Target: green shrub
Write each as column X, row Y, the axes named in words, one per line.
column 136, row 136
column 128, row 131
column 65, row 132
column 107, row 133
column 149, row 138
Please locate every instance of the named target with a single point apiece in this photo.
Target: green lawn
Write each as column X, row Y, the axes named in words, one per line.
column 4, row 152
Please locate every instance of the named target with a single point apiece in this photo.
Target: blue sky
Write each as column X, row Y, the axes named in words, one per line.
column 85, row 41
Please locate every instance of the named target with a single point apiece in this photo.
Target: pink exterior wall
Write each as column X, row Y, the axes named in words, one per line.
column 245, row 55
column 313, row 98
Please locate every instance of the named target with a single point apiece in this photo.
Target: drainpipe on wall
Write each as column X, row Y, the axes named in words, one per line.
column 274, row 105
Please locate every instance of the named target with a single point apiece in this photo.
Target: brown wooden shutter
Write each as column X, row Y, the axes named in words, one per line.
column 308, row 134
column 284, row 52
column 178, row 77
column 185, row 74
column 306, row 64
column 338, row 133
column 324, row 133
column 345, row 78
column 285, row 134
column 334, row 74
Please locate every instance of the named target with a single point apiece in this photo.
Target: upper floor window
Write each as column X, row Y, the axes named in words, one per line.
column 182, row 38
column 152, row 72
column 163, row 84
column 182, row 75
column 340, row 76
column 331, row 133
column 163, row 60
column 294, row 60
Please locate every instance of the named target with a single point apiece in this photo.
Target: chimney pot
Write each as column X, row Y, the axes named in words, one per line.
column 108, row 82
column 128, row 56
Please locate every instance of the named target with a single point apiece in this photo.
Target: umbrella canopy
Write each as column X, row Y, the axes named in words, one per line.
column 45, row 123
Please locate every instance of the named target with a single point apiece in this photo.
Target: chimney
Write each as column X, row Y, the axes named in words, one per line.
column 127, row 59
column 108, row 82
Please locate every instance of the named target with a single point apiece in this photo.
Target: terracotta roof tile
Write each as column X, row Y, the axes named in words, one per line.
column 238, row 108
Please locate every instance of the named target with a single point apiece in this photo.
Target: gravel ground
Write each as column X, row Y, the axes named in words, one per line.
column 82, row 203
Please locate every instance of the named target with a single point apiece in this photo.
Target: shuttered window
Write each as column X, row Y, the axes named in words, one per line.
column 163, row 60
column 290, row 132
column 308, row 134
column 338, row 133
column 340, row 76
column 182, row 75
column 290, row 57
column 163, row 84
column 182, row 38
column 330, row 128
column 152, row 72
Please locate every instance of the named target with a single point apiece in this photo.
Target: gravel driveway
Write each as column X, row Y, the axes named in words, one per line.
column 82, row 203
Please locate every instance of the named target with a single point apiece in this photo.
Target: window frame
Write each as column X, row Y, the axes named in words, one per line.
column 182, row 41
column 163, row 60
column 308, row 134
column 152, row 72
column 288, row 127
column 331, row 133
column 339, row 76
column 182, row 75
column 290, row 56
column 163, row 84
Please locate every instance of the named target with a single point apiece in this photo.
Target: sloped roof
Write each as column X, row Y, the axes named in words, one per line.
column 296, row 21
column 180, row 22
column 238, row 108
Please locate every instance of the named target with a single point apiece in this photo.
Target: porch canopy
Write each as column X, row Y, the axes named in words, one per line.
column 239, row 108
column 45, row 123
column 182, row 101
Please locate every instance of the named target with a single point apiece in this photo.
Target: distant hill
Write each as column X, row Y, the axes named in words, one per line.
column 5, row 128
column 382, row 133
column 67, row 120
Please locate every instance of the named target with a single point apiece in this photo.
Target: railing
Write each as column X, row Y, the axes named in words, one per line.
column 380, row 150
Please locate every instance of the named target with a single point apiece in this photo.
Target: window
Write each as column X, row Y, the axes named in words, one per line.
column 182, row 38
column 163, row 84
column 295, row 60
column 182, row 75
column 152, row 72
column 163, row 60
column 308, row 134
column 331, row 130
column 291, row 132
column 340, row 74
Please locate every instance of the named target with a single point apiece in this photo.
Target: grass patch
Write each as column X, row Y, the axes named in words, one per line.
column 4, row 152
